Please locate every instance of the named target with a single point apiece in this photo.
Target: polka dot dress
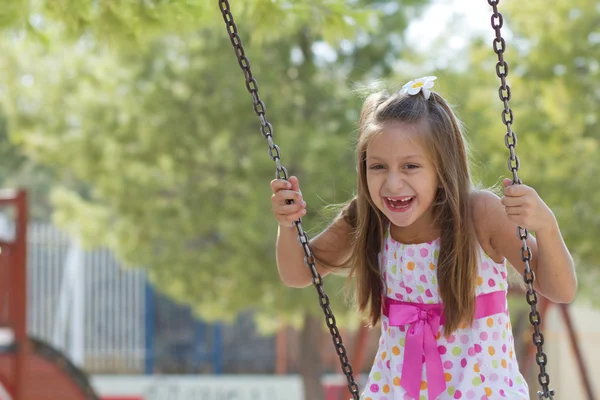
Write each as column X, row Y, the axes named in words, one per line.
column 478, row 361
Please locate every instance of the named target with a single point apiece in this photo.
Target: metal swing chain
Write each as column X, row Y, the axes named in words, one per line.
column 281, row 172
column 510, row 140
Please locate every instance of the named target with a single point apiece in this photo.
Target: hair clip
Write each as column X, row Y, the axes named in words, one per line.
column 419, row 85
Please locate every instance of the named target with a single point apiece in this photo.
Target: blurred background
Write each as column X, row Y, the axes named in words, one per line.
column 138, row 256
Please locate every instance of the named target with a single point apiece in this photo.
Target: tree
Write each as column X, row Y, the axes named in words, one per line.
column 158, row 152
column 17, row 169
column 159, row 148
column 555, row 84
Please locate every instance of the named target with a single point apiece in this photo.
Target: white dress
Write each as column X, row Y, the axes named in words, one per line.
column 476, row 362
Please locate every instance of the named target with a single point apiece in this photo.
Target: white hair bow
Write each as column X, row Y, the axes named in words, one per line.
column 419, row 85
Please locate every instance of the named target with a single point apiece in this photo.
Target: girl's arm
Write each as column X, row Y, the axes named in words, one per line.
column 332, row 247
column 550, row 259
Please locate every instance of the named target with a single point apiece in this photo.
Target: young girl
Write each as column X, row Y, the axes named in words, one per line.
column 428, row 253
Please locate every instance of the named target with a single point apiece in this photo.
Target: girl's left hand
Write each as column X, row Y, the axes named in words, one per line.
column 525, row 208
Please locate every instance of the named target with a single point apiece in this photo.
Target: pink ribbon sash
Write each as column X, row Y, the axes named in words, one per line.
column 424, row 321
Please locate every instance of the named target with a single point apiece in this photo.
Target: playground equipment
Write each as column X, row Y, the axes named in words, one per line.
column 510, row 141
column 29, row 368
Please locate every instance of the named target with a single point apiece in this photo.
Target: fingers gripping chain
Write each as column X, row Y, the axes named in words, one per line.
column 281, row 173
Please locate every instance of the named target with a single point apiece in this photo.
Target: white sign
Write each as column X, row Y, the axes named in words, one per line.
column 185, row 387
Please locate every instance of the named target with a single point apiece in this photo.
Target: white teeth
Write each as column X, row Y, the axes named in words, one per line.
column 400, row 202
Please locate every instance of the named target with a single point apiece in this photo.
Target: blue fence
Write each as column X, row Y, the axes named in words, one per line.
column 124, row 324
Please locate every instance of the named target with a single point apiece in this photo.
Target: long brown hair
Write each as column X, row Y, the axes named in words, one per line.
column 458, row 259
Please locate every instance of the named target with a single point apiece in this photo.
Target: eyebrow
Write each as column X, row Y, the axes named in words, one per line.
column 406, row 157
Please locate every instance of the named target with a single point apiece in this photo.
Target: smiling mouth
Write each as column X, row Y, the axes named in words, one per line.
column 399, row 203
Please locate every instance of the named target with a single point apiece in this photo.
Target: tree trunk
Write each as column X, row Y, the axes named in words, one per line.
column 310, row 365
column 521, row 337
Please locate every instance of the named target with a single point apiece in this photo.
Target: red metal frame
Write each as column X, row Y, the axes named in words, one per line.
column 573, row 341
column 14, row 258
column 564, row 310
column 25, row 364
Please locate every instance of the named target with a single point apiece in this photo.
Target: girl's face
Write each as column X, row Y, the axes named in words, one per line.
column 402, row 179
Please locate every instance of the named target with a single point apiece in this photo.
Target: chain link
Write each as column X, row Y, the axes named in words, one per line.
column 510, row 140
column 281, row 173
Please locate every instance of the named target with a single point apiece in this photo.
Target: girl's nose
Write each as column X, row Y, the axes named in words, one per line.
column 394, row 182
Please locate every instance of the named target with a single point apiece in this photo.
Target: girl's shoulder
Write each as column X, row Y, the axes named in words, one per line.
column 485, row 207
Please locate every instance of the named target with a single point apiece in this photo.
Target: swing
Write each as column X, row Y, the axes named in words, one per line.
column 510, row 140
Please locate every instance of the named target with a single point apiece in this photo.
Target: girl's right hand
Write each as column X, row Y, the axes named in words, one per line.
column 284, row 190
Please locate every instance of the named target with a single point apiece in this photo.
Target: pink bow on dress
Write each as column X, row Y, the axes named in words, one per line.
column 424, row 321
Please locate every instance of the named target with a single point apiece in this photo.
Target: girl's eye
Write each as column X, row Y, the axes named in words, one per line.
column 411, row 166
column 376, row 166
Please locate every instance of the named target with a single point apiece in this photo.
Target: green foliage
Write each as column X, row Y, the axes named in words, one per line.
column 156, row 152
column 562, row 80
column 159, row 152
column 130, row 24
column 555, row 82
column 18, row 170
